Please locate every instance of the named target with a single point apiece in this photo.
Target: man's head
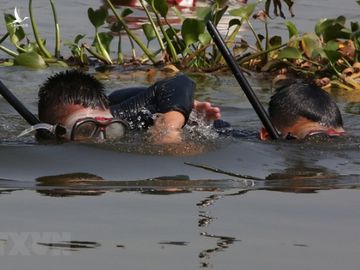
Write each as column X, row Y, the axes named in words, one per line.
column 300, row 109
column 71, row 96
column 69, row 91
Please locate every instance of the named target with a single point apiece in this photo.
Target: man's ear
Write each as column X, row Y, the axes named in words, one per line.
column 264, row 134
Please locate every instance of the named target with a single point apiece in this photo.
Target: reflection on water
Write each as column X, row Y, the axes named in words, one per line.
column 240, row 227
column 85, row 184
column 174, row 243
column 205, row 219
column 222, row 243
column 71, row 245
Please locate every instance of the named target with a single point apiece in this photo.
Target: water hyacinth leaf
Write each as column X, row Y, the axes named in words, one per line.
column 78, row 38
column 244, row 12
column 319, row 52
column 340, row 20
column 331, row 51
column 309, row 43
column 355, row 27
column 105, row 40
column 204, row 13
column 16, row 32
column 29, row 47
column 162, row 7
column 294, row 42
column 333, row 56
column 97, row 17
column 219, row 14
column 237, row 23
column 293, row 31
column 337, row 31
column 205, row 38
column 275, row 41
column 332, row 29
column 72, row 46
column 290, row 53
column 30, row 59
column 191, row 29
column 233, row 22
column 322, row 25
column 148, row 31
column 331, row 46
column 126, row 12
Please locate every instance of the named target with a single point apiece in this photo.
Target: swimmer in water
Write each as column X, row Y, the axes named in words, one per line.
column 75, row 106
column 298, row 110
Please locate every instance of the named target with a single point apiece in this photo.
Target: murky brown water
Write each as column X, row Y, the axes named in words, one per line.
column 237, row 204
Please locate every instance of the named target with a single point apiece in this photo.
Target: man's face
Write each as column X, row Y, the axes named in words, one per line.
column 83, row 124
column 302, row 128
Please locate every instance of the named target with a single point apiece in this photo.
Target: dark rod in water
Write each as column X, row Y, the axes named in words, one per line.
column 259, row 109
column 17, row 105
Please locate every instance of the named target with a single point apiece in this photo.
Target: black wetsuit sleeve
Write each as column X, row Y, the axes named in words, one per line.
column 173, row 94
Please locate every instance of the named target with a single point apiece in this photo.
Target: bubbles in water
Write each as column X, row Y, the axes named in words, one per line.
column 198, row 127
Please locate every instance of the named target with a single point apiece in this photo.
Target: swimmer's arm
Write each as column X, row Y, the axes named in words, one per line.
column 167, row 128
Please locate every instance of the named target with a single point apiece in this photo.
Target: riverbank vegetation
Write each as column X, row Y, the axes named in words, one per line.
column 330, row 55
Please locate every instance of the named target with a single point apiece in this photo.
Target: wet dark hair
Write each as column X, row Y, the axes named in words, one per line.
column 69, row 87
column 303, row 99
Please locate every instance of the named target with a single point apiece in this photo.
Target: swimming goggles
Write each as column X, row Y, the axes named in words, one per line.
column 98, row 128
column 88, row 128
column 328, row 133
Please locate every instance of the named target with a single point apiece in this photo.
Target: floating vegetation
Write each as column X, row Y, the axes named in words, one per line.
column 329, row 55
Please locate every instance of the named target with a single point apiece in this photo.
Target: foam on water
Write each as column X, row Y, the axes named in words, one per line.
column 199, row 128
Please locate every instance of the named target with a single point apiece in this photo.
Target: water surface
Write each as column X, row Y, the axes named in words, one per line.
column 219, row 203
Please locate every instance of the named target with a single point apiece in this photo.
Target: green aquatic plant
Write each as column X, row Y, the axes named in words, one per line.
column 329, row 54
column 79, row 56
column 102, row 40
column 160, row 8
column 31, row 54
column 57, row 31
column 150, row 29
column 39, row 41
column 132, row 35
column 188, row 46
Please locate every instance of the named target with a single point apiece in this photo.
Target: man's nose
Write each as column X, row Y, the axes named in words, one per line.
column 101, row 135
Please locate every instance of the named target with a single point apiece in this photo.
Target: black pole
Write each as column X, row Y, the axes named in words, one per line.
column 259, row 109
column 17, row 105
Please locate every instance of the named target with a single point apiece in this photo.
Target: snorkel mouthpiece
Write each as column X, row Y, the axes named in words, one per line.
column 45, row 130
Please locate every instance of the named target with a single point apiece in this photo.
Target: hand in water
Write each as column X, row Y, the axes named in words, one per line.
column 167, row 128
column 211, row 113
